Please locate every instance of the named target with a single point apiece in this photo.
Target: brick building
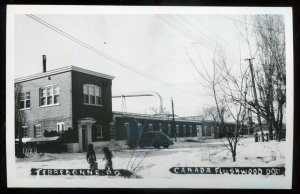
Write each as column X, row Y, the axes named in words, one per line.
column 73, row 103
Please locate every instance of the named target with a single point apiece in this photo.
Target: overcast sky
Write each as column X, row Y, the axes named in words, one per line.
column 155, row 45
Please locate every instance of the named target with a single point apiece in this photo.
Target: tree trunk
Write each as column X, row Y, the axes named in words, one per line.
column 233, row 156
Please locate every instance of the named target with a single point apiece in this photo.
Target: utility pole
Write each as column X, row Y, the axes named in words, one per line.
column 255, row 97
column 173, row 121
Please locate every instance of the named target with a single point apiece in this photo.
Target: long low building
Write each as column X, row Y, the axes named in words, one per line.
column 75, row 105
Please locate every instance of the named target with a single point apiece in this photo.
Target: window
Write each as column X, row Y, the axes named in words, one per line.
column 184, row 130
column 160, row 127
column 169, row 129
column 140, row 127
column 204, row 132
column 60, row 127
column 49, row 95
column 208, row 132
column 191, row 130
column 99, row 132
column 127, row 126
column 25, row 131
column 24, row 100
column 37, row 130
column 177, row 129
column 150, row 127
column 91, row 94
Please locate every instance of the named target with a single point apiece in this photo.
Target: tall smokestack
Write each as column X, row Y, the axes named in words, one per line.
column 44, row 63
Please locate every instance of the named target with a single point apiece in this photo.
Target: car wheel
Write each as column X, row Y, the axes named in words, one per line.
column 156, row 146
column 166, row 146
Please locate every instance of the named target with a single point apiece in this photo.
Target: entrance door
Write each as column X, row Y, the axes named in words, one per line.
column 84, row 137
column 85, row 132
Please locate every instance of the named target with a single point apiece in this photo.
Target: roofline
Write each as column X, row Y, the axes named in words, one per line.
column 150, row 117
column 62, row 70
column 157, row 117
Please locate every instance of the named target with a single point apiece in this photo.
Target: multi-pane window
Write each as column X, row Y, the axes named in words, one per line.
column 24, row 100
column 91, row 94
column 25, row 131
column 184, row 130
column 191, row 130
column 49, row 95
column 37, row 130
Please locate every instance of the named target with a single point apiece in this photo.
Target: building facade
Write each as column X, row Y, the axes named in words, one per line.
column 70, row 102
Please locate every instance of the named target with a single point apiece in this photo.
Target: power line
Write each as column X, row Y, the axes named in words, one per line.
column 102, row 54
column 187, row 27
column 247, row 23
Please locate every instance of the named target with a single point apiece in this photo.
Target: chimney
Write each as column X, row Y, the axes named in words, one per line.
column 44, row 63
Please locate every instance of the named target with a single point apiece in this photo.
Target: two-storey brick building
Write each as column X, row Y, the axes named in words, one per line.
column 71, row 102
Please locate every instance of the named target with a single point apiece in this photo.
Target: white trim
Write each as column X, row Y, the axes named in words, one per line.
column 44, row 106
column 25, row 109
column 25, row 99
column 101, row 132
column 46, row 98
column 62, row 70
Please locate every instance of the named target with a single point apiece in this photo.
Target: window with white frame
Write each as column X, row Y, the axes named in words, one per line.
column 49, row 95
column 99, row 132
column 25, row 131
column 37, row 130
column 25, row 100
column 92, row 94
column 60, row 127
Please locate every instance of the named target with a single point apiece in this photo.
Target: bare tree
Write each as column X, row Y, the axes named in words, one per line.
column 20, row 120
column 270, row 42
column 270, row 73
column 229, row 97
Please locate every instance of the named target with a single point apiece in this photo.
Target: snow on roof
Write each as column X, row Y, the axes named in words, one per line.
column 40, row 139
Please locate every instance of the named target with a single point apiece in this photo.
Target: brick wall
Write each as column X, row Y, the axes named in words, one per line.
column 48, row 116
column 102, row 114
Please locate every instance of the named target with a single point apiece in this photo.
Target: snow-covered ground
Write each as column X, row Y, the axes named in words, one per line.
column 155, row 163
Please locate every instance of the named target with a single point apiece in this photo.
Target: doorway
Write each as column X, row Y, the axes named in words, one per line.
column 85, row 132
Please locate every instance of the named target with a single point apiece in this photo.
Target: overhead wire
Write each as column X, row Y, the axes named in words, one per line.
column 247, row 23
column 116, row 61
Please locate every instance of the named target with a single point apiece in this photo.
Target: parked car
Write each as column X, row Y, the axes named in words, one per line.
column 155, row 139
